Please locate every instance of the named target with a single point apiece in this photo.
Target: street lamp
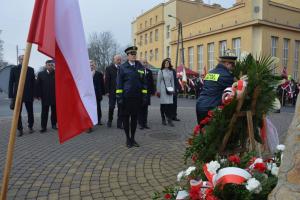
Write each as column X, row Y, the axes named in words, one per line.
column 179, row 40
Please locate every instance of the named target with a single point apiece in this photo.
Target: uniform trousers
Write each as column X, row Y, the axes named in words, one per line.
column 143, row 116
column 112, row 104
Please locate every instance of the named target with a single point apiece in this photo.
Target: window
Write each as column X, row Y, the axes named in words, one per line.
column 151, row 37
column 274, row 46
column 156, row 35
column 285, row 57
column 236, row 47
column 146, row 38
column 200, row 58
column 151, row 55
column 150, row 21
column 210, row 55
column 191, row 57
column 168, row 51
column 296, row 60
column 156, row 19
column 168, row 31
column 146, row 55
column 156, row 54
column 134, row 42
column 146, row 24
column 141, row 26
column 141, row 55
column 222, row 47
column 141, row 40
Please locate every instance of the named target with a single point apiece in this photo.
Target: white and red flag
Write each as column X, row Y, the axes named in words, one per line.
column 56, row 27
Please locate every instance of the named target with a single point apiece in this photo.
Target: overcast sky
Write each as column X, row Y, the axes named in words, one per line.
column 98, row 15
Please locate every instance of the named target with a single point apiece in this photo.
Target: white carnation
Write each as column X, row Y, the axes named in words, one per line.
column 270, row 166
column 280, row 147
column 223, row 160
column 189, row 170
column 275, row 171
column 258, row 160
column 213, row 166
column 254, row 185
column 180, row 175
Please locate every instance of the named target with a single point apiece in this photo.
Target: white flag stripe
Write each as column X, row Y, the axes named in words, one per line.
column 71, row 42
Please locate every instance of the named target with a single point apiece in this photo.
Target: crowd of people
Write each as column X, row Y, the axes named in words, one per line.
column 129, row 87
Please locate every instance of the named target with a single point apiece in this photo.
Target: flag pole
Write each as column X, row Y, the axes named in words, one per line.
column 16, row 113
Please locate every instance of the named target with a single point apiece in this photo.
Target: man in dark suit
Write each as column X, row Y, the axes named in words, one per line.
column 46, row 93
column 143, row 114
column 99, row 88
column 110, row 87
column 27, row 95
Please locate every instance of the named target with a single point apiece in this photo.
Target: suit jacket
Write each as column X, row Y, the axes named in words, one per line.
column 150, row 84
column 111, row 79
column 98, row 85
column 29, row 87
column 176, row 82
column 45, row 87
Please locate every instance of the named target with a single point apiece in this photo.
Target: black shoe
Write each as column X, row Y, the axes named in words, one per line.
column 54, row 127
column 176, row 119
column 164, row 122
column 135, row 144
column 100, row 124
column 170, row 123
column 20, row 133
column 120, row 127
column 141, row 127
column 31, row 130
column 109, row 124
column 90, row 130
column 146, row 127
column 128, row 144
column 43, row 130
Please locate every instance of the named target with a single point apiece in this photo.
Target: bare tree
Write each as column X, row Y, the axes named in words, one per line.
column 102, row 48
column 1, row 52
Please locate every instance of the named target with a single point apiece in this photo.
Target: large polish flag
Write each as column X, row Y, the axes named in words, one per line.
column 56, row 27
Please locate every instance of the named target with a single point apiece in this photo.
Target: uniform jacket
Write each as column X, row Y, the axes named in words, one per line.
column 168, row 76
column 98, row 85
column 29, row 89
column 215, row 82
column 45, row 87
column 110, row 79
column 131, row 82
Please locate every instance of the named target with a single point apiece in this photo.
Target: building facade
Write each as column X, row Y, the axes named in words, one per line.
column 151, row 31
column 260, row 27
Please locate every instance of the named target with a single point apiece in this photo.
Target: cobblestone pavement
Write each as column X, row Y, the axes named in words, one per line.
column 98, row 165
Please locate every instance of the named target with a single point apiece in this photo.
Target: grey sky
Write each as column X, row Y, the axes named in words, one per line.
column 98, row 15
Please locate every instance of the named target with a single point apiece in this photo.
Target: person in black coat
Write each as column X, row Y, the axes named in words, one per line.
column 110, row 87
column 143, row 114
column 45, row 85
column 99, row 88
column 28, row 94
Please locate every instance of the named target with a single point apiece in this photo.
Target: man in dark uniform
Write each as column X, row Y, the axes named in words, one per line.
column 143, row 113
column 131, row 93
column 99, row 88
column 27, row 95
column 215, row 82
column 110, row 87
column 46, row 93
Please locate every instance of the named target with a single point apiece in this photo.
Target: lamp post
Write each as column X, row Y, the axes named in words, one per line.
column 179, row 40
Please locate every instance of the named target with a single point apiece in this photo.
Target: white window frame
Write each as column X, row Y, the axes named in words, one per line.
column 146, row 38
column 168, row 32
column 285, row 56
column 236, row 47
column 210, row 55
column 151, row 55
column 191, row 57
column 296, row 60
column 156, row 35
column 146, row 55
column 274, row 47
column 156, row 54
column 168, row 51
column 151, row 37
column 200, row 57
column 222, row 47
